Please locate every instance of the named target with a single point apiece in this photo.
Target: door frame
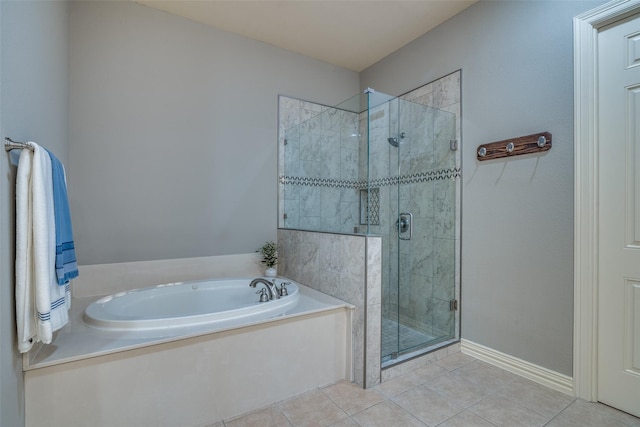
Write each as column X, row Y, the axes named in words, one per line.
column 586, row 28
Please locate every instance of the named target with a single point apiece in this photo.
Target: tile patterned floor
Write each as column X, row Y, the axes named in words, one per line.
column 458, row 391
column 396, row 336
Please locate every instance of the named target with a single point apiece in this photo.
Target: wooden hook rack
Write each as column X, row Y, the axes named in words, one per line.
column 515, row 146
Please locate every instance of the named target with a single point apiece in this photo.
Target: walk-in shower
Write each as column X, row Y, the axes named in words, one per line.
column 387, row 166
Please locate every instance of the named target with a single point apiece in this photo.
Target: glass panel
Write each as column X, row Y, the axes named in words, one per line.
column 325, row 169
column 321, row 184
column 420, row 279
column 382, row 165
column 425, row 315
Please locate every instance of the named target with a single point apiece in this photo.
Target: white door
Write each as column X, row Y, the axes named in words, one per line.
column 619, row 215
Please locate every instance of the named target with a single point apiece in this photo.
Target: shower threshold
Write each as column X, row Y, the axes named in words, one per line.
column 410, row 354
column 413, row 343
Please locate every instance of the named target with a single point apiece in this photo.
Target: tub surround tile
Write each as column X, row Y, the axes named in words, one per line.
column 352, row 270
column 373, row 358
column 374, row 270
column 358, row 334
column 337, row 265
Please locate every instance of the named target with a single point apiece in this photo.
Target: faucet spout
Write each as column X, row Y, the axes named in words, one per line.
column 271, row 287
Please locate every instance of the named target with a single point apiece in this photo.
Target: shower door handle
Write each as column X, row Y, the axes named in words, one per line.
column 404, row 225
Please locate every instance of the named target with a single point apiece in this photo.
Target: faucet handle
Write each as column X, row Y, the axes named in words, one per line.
column 283, row 291
column 264, row 297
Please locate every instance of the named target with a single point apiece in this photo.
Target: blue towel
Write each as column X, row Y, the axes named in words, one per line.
column 66, row 265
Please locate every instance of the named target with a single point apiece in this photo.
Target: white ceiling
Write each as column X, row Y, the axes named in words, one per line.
column 353, row 34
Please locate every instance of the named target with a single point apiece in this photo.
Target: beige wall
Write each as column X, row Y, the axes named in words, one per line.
column 517, row 217
column 34, row 106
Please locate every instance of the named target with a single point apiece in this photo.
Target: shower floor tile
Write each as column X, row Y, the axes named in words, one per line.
column 399, row 337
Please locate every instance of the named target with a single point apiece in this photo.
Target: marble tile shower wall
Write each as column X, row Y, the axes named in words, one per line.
column 318, row 144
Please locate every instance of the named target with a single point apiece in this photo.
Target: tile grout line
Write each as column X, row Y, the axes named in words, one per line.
column 558, row 414
column 334, row 402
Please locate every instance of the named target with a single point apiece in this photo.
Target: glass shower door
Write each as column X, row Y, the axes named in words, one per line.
column 419, row 297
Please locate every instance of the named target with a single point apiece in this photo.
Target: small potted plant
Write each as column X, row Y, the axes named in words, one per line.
column 269, row 253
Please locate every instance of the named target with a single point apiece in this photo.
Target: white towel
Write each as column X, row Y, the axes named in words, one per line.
column 41, row 305
column 25, row 310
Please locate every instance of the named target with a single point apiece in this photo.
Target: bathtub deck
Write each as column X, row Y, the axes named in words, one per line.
column 77, row 341
column 189, row 380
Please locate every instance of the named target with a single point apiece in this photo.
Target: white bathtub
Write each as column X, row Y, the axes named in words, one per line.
column 175, row 371
column 187, row 304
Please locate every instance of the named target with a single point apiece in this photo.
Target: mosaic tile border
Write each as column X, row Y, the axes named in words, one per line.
column 438, row 175
column 322, row 182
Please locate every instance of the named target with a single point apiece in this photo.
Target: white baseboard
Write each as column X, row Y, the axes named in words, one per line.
column 538, row 374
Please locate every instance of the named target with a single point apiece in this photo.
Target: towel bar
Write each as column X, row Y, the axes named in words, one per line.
column 10, row 144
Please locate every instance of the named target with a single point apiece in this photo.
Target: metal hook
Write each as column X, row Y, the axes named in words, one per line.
column 510, row 147
column 542, row 141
